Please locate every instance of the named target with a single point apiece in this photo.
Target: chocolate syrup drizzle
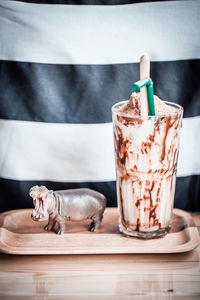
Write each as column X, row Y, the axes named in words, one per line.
column 122, row 146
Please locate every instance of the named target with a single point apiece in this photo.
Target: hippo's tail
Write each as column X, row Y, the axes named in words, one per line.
column 104, row 202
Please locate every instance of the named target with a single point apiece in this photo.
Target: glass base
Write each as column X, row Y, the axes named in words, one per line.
column 144, row 235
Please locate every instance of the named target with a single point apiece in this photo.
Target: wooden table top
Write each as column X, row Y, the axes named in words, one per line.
column 121, row 276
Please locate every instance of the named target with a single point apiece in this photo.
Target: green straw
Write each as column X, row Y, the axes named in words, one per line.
column 149, row 84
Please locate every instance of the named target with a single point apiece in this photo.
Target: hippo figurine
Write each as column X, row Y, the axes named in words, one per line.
column 73, row 205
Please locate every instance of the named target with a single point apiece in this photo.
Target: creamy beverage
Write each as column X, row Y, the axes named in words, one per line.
column 146, row 152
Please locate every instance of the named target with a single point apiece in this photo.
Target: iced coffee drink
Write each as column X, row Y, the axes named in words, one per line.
column 146, row 152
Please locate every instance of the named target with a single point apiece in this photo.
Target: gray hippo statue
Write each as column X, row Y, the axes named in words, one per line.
column 73, row 205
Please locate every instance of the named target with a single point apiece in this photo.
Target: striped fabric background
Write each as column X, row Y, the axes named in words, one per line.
column 63, row 66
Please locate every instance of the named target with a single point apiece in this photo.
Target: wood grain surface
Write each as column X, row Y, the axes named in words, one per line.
column 121, row 276
column 19, row 234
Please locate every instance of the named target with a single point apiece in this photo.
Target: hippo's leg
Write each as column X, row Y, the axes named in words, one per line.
column 61, row 226
column 51, row 223
column 95, row 223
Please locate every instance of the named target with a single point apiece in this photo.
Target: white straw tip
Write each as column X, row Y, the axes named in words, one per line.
column 144, row 58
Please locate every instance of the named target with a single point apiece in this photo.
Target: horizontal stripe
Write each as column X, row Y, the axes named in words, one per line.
column 14, row 194
column 86, row 93
column 56, row 152
column 89, row 34
column 90, row 2
column 76, row 152
column 188, row 161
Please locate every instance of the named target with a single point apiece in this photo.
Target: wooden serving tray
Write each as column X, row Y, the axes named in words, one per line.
column 19, row 234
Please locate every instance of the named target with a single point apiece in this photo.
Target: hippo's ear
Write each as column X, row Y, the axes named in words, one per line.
column 34, row 188
column 42, row 187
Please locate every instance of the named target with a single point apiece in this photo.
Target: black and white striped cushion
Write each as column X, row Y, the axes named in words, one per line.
column 64, row 66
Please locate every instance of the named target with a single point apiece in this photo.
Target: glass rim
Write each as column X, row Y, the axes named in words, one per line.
column 121, row 113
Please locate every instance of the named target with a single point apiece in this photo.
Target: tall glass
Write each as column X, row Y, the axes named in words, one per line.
column 146, row 154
